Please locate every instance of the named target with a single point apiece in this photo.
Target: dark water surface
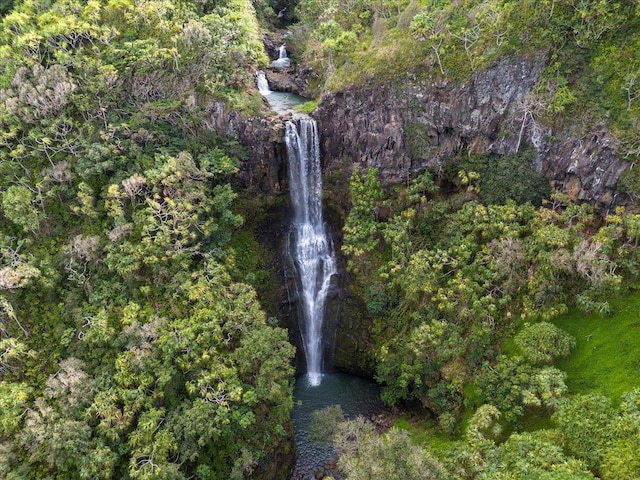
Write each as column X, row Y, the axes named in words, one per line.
column 355, row 395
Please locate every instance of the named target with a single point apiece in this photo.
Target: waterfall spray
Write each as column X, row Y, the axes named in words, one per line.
column 283, row 60
column 262, row 83
column 309, row 245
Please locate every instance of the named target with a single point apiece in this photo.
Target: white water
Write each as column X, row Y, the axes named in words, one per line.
column 280, row 102
column 283, row 59
column 262, row 83
column 309, row 245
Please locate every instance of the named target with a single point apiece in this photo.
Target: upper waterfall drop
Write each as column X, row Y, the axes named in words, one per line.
column 309, row 245
column 283, row 60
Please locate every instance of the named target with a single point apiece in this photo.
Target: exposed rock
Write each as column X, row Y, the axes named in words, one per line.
column 587, row 169
column 272, row 43
column 294, row 79
column 403, row 129
column 262, row 138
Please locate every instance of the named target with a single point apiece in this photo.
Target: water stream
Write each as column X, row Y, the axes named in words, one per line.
column 283, row 60
column 309, row 245
column 280, row 102
column 311, row 251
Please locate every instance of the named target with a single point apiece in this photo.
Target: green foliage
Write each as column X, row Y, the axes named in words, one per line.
column 512, row 386
column 129, row 351
column 452, row 278
column 629, row 181
column 14, row 398
column 588, row 433
column 506, row 177
column 531, row 455
column 619, row 457
column 366, row 455
column 5, row 7
column 423, row 431
column 18, row 207
column 324, row 423
column 307, row 107
column 541, row 343
column 584, row 424
column 360, row 229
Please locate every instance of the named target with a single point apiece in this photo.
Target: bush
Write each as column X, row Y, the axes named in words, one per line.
column 324, row 423
column 365, row 455
column 543, row 342
column 505, row 177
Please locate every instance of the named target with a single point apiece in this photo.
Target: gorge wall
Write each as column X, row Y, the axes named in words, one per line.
column 403, row 129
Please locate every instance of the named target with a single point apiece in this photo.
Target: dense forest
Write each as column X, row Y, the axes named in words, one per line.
column 139, row 335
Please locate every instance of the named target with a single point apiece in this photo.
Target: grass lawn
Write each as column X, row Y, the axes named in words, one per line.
column 607, row 359
column 424, row 431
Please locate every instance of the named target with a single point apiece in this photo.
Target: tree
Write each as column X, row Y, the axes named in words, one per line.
column 531, row 454
column 512, row 385
column 361, row 234
column 365, row 455
column 324, row 423
column 18, row 206
column 584, row 426
column 542, row 342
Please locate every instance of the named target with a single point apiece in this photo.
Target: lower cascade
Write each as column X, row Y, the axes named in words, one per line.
column 262, row 83
column 309, row 245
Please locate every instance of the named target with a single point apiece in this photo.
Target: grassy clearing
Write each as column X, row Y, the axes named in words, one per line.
column 607, row 359
column 425, row 432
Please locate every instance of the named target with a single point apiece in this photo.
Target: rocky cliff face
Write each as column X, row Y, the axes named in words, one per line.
column 403, row 129
column 264, row 168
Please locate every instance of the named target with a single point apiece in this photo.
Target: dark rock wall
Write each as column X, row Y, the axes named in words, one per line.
column 401, row 129
column 264, row 169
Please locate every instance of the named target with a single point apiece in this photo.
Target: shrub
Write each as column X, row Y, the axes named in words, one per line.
column 543, row 342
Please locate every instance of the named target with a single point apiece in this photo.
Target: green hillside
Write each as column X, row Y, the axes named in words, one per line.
column 500, row 317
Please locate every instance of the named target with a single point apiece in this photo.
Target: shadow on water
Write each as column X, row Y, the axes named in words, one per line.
column 356, row 396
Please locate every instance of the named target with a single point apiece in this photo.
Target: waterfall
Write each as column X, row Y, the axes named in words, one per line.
column 283, row 60
column 309, row 246
column 262, row 83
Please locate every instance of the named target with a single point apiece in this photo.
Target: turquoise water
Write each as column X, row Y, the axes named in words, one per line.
column 283, row 102
column 355, row 395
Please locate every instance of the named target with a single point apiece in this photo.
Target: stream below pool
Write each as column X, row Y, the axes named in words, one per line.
column 356, row 396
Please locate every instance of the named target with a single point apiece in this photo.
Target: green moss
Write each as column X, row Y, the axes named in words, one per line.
column 607, row 359
column 307, row 107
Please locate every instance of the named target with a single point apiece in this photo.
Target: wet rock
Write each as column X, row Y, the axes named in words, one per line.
column 294, row 79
